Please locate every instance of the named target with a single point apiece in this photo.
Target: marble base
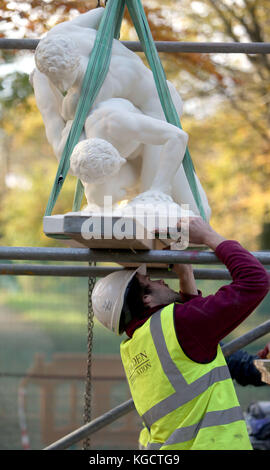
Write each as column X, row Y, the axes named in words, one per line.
column 104, row 231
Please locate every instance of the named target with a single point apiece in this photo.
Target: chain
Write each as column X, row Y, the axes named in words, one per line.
column 88, row 384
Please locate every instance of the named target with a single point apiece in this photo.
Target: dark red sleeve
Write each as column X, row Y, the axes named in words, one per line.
column 202, row 322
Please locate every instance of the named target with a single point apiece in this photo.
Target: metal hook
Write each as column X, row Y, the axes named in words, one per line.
column 99, row 5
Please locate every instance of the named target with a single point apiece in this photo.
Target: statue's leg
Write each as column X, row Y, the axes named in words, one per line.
column 182, row 193
column 150, row 161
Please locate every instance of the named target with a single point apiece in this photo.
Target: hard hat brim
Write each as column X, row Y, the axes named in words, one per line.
column 142, row 269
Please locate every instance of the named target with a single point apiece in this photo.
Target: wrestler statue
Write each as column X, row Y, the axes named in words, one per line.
column 127, row 149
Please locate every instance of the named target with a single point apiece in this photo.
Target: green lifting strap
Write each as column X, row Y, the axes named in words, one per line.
column 144, row 33
column 95, row 75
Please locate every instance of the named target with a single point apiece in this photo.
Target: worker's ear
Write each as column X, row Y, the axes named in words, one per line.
column 147, row 300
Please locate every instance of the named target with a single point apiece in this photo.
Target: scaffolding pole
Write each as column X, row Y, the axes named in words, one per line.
column 119, row 256
column 127, row 406
column 100, row 271
column 163, row 46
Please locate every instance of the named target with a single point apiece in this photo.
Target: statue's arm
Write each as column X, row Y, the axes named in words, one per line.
column 49, row 101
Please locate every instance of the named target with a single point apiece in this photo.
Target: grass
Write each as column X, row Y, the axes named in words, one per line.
column 47, row 309
column 63, row 317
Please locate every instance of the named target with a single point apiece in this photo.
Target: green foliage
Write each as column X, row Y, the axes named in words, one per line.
column 232, row 161
column 14, row 89
column 62, row 316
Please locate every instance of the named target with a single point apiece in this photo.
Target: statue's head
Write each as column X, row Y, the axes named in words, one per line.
column 95, row 160
column 58, row 58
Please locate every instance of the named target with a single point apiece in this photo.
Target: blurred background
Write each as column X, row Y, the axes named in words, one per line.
column 43, row 320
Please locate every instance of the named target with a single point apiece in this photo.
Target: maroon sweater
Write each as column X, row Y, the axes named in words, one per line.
column 202, row 322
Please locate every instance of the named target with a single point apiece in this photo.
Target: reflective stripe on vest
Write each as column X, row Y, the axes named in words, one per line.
column 183, row 392
column 211, row 418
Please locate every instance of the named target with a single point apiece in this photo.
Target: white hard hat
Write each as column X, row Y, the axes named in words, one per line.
column 108, row 297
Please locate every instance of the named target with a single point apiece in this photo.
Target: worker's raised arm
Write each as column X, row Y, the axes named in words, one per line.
column 213, row 317
column 187, row 283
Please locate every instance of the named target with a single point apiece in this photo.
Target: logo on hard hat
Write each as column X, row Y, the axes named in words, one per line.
column 107, row 305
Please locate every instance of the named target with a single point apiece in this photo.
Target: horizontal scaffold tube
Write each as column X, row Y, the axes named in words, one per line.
column 100, row 271
column 164, row 46
column 246, row 339
column 118, row 256
column 92, row 427
column 126, row 407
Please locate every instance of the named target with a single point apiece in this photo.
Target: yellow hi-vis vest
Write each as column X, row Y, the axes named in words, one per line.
column 183, row 404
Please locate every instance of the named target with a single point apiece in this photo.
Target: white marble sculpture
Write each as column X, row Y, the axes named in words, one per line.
column 127, row 149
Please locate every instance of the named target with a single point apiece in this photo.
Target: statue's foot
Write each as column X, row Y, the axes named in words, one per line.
column 154, row 208
column 160, row 201
column 153, row 202
column 91, row 208
column 152, row 197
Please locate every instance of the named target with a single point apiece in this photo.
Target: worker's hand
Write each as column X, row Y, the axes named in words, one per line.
column 201, row 233
column 264, row 353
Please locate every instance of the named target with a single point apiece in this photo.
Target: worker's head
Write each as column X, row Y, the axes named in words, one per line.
column 124, row 295
column 59, row 59
column 94, row 160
